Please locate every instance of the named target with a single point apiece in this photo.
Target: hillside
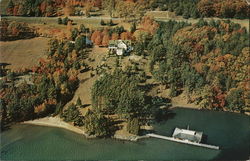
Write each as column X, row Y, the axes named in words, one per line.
column 151, row 66
column 22, row 54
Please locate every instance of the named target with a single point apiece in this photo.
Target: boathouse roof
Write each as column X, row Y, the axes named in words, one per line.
column 189, row 135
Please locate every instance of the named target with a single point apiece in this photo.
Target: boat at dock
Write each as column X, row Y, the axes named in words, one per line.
column 185, row 136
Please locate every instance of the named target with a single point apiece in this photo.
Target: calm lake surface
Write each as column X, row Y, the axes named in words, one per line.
column 229, row 131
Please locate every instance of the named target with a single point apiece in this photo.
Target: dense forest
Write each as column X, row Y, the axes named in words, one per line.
column 50, row 8
column 205, row 8
column 121, row 93
column 132, row 8
column 207, row 60
column 45, row 7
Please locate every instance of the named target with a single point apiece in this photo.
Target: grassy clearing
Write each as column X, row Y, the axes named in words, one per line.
column 92, row 22
column 86, row 81
column 23, row 53
column 161, row 14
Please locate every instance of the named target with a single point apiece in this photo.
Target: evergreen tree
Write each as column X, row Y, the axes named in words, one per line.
column 133, row 28
column 65, row 20
column 97, row 124
column 72, row 114
column 80, row 43
column 10, row 7
column 133, row 126
column 78, row 102
column 74, row 33
column 59, row 20
column 82, row 28
column 235, row 100
column 110, row 23
column 186, row 14
column 102, row 22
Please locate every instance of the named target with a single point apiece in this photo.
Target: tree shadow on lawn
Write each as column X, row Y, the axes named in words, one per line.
column 85, row 105
column 96, row 14
column 84, row 80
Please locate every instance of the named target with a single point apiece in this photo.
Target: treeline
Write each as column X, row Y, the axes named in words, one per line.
column 126, row 9
column 33, row 7
column 54, row 82
column 185, row 8
column 101, row 37
column 224, row 8
column 11, row 30
column 205, row 8
column 207, row 60
column 131, row 8
column 43, row 7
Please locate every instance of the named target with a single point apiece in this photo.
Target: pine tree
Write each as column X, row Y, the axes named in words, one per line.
column 59, row 20
column 186, row 14
column 78, row 102
column 133, row 126
column 133, row 28
column 110, row 23
column 102, row 22
column 10, row 7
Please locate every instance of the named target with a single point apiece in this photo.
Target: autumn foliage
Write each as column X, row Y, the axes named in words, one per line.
column 102, row 37
column 224, row 8
column 96, row 37
column 207, row 59
column 105, row 40
column 11, row 30
column 148, row 24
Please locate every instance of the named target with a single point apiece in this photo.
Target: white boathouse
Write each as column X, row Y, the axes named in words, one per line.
column 188, row 135
column 185, row 136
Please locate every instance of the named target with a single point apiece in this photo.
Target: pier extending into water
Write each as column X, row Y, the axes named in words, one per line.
column 182, row 141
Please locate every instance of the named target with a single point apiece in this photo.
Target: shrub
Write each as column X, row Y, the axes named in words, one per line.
column 102, row 23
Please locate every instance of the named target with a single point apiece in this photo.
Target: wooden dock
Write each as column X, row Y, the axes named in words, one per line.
column 183, row 141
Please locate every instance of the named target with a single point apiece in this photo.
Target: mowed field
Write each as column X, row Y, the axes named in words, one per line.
column 91, row 22
column 23, row 53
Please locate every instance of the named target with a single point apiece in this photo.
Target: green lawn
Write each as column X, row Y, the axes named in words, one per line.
column 92, row 22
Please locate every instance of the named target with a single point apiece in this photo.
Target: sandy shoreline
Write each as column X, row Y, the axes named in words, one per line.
column 56, row 122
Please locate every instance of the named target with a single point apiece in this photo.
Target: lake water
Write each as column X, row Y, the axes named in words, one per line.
column 229, row 131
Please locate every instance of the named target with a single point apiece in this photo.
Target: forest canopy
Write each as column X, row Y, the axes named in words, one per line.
column 132, row 8
column 205, row 8
column 207, row 60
